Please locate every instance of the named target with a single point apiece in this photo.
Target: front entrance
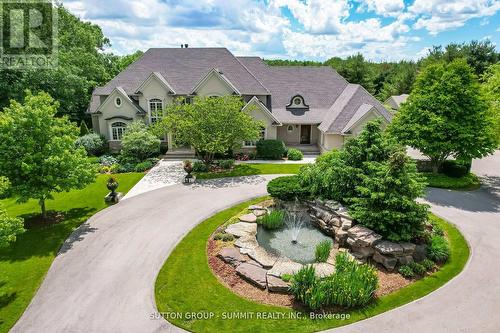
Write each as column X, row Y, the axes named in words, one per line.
column 305, row 134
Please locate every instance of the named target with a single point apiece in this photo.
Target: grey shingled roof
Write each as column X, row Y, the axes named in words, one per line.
column 318, row 85
column 399, row 99
column 183, row 68
column 333, row 102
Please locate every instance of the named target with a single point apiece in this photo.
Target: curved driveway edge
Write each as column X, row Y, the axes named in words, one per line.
column 103, row 279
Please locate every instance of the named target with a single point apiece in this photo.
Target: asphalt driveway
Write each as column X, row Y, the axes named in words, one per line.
column 103, row 279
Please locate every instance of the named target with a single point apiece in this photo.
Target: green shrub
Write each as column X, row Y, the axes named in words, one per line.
column 225, row 164
column 107, row 160
column 274, row 220
column 323, row 251
column 125, row 167
column 199, row 166
column 294, row 154
column 417, row 268
column 286, row 188
column 138, row 143
column 286, row 277
column 143, row 166
column 386, row 199
column 436, row 229
column 94, row 144
column 455, row 169
column 222, row 236
column 270, row 149
column 351, row 285
column 306, row 288
column 406, row 271
column 428, row 264
column 438, row 249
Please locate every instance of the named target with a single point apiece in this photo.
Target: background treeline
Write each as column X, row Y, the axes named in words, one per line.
column 384, row 79
column 85, row 64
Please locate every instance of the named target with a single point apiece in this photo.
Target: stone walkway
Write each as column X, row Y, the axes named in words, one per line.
column 165, row 173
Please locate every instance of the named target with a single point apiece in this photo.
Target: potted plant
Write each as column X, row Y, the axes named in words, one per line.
column 188, row 167
column 112, row 185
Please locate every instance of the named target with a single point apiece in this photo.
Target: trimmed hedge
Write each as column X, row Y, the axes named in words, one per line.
column 456, row 169
column 286, row 188
column 270, row 149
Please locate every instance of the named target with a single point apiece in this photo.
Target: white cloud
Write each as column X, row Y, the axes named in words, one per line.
column 317, row 16
column 383, row 7
column 441, row 15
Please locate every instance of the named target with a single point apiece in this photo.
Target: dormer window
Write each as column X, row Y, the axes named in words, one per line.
column 297, row 102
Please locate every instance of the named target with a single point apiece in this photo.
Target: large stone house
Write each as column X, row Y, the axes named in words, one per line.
column 313, row 108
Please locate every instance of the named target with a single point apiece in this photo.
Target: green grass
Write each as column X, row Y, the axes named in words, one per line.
column 24, row 264
column 466, row 183
column 322, row 251
column 187, row 269
column 274, row 220
column 252, row 169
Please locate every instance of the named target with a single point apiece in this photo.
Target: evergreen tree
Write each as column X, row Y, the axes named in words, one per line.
column 386, row 198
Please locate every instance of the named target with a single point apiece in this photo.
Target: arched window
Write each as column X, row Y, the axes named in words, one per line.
column 155, row 110
column 117, row 130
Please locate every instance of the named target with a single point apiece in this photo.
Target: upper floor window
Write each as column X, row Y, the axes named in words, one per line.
column 297, row 102
column 118, row 101
column 117, row 130
column 155, row 110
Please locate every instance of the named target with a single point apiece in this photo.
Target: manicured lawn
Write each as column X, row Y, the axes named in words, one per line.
column 24, row 265
column 187, row 270
column 252, row 169
column 466, row 183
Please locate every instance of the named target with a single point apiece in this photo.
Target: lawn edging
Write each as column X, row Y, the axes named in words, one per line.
column 187, row 269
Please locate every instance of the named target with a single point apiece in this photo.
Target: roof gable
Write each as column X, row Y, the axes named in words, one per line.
column 255, row 101
column 214, row 73
column 119, row 91
column 156, row 76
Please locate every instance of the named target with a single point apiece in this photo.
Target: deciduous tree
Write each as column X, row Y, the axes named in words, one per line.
column 212, row 125
column 39, row 155
column 445, row 115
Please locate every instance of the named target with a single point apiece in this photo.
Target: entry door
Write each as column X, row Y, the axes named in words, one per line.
column 305, row 134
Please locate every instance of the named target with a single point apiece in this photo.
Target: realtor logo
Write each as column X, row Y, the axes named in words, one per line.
column 28, row 34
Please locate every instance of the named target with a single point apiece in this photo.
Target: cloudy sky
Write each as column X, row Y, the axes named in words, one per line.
column 296, row 29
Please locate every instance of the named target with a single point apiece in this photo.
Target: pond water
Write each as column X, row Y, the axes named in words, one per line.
column 299, row 228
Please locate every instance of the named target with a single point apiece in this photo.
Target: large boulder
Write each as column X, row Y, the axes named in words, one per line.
column 420, row 252
column 362, row 252
column 254, row 274
column 250, row 218
column 388, row 262
column 391, row 248
column 242, row 229
column 259, row 212
column 323, row 269
column 341, row 237
column 263, row 257
column 232, row 256
column 276, row 284
column 247, row 242
column 362, row 236
column 408, row 248
column 284, row 266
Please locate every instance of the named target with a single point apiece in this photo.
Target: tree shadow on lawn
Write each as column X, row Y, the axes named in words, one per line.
column 485, row 199
column 48, row 240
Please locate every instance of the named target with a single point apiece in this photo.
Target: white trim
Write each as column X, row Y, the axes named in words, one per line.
column 110, row 129
column 160, row 78
column 120, row 91
column 148, row 101
column 258, row 103
column 220, row 76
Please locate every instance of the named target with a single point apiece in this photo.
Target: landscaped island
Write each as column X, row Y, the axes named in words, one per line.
column 345, row 237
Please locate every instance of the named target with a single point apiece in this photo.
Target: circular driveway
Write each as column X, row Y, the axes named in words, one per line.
column 103, row 279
